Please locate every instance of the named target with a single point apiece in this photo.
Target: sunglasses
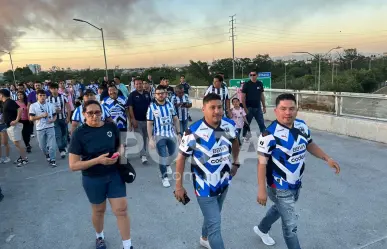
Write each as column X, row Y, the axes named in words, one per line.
column 253, row 75
column 96, row 113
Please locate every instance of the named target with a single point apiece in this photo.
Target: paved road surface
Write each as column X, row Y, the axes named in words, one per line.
column 47, row 208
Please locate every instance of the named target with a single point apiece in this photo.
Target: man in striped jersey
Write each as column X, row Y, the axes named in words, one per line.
column 222, row 90
column 182, row 103
column 117, row 107
column 162, row 126
column 78, row 118
column 63, row 112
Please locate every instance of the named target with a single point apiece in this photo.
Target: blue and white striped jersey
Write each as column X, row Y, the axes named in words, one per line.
column 78, row 115
column 210, row 150
column 222, row 92
column 182, row 112
column 13, row 95
column 117, row 109
column 93, row 87
column 286, row 149
column 162, row 117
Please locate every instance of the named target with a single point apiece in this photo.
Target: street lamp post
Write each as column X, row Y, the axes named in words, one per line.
column 319, row 63
column 13, row 71
column 286, row 63
column 103, row 41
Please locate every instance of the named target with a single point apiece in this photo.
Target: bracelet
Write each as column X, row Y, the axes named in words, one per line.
column 236, row 165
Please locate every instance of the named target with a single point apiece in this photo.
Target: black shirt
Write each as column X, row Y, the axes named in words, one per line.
column 10, row 108
column 253, row 92
column 91, row 142
column 140, row 103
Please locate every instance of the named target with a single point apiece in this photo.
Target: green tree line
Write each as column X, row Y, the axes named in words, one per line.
column 349, row 72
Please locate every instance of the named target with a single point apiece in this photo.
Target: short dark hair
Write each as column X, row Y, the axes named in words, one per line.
column 41, row 91
column 113, row 86
column 235, row 99
column 20, row 84
column 101, row 87
column 179, row 87
column 88, row 92
column 90, row 102
column 160, row 87
column 117, row 77
column 137, row 79
column 38, row 82
column 219, row 77
column 54, row 86
column 285, row 96
column 5, row 92
column 210, row 97
column 182, row 75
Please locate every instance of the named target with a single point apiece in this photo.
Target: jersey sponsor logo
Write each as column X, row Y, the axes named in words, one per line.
column 109, row 134
column 296, row 159
column 299, row 148
column 219, row 150
column 156, row 113
column 219, row 160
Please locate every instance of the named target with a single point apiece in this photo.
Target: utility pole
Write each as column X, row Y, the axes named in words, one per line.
column 232, row 21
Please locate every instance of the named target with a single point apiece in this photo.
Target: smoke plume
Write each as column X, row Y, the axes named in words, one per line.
column 55, row 16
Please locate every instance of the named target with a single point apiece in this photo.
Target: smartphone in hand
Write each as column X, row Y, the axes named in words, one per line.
column 186, row 198
column 115, row 155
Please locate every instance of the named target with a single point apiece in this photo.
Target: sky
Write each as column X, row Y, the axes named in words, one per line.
column 145, row 33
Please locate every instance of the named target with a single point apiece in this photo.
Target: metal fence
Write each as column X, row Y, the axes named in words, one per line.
column 369, row 106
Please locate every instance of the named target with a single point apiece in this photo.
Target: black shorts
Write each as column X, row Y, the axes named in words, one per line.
column 98, row 188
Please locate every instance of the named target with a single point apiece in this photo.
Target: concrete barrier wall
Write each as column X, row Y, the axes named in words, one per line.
column 355, row 127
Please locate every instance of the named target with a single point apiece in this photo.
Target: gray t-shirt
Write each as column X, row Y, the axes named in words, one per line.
column 37, row 109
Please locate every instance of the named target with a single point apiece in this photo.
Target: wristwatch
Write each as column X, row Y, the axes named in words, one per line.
column 236, row 165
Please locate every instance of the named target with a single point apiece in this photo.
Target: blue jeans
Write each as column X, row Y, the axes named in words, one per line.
column 284, row 202
column 166, row 147
column 61, row 130
column 211, row 208
column 258, row 115
column 46, row 139
column 183, row 126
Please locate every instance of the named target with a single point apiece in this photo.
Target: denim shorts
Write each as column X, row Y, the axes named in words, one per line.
column 3, row 127
column 98, row 188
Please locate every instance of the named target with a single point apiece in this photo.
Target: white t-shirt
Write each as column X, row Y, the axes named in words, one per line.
column 37, row 109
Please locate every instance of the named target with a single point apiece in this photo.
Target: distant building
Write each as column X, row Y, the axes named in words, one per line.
column 35, row 68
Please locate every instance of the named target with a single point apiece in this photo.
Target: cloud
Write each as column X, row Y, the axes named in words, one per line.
column 55, row 16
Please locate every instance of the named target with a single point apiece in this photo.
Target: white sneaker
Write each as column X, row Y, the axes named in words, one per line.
column 165, row 182
column 1, row 160
column 265, row 237
column 205, row 243
column 63, row 154
column 169, row 170
column 144, row 159
column 6, row 159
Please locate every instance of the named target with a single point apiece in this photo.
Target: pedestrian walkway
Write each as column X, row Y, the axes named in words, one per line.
column 47, row 208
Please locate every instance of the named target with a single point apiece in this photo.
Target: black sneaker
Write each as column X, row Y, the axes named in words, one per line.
column 28, row 148
column 17, row 161
column 100, row 243
column 22, row 162
column 48, row 158
column 52, row 163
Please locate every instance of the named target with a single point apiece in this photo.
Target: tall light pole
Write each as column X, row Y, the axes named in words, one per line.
column 286, row 63
column 103, row 41
column 13, row 71
column 318, row 57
